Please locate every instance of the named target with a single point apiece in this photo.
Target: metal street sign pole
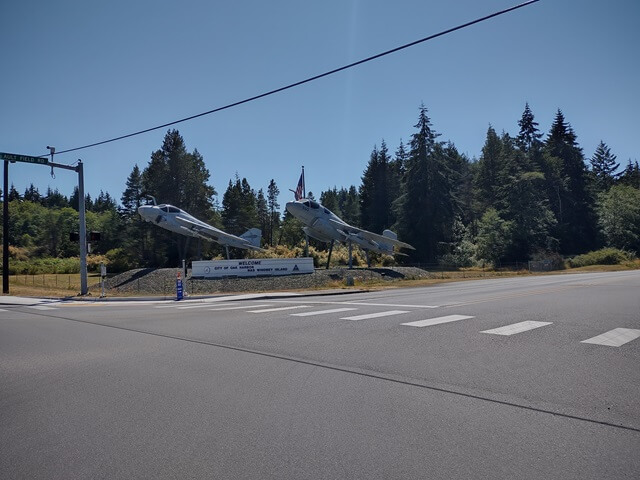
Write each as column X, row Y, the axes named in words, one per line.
column 5, row 230
column 14, row 157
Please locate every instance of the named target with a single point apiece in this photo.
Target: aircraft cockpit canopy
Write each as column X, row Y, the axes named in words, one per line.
column 169, row 209
column 311, row 204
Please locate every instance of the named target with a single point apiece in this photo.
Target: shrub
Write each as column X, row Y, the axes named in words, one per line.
column 605, row 256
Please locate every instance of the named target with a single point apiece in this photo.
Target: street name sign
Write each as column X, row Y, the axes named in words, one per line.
column 14, row 157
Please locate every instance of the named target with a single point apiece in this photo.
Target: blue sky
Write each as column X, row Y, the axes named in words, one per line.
column 77, row 72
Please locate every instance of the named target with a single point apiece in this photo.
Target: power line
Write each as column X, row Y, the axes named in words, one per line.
column 302, row 82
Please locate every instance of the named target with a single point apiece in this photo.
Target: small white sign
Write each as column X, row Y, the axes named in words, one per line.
column 251, row 267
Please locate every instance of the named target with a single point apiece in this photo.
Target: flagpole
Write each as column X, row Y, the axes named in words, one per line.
column 304, row 188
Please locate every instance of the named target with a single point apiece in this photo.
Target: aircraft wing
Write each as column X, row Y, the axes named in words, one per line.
column 212, row 233
column 348, row 229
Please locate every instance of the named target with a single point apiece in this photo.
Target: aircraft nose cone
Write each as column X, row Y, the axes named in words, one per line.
column 290, row 206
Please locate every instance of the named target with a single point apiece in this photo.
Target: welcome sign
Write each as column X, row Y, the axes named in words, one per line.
column 251, row 267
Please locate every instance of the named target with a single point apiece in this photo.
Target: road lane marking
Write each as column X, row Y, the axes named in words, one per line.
column 375, row 315
column 278, row 309
column 222, row 309
column 365, row 304
column 437, row 321
column 615, row 337
column 40, row 307
column 517, row 328
column 322, row 312
column 200, row 305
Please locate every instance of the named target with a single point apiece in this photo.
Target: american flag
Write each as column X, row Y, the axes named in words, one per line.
column 298, row 194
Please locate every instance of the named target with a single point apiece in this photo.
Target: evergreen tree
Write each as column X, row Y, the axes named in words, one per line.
column 489, row 172
column 529, row 136
column 349, row 205
column 239, row 207
column 567, row 182
column 274, row 209
column 426, row 207
column 603, row 168
column 525, row 206
column 375, row 194
column 631, row 175
column 179, row 178
column 54, row 199
column 330, row 199
column 132, row 196
column 14, row 194
column 32, row 194
column 263, row 214
column 104, row 203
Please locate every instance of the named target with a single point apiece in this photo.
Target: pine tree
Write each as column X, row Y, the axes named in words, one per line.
column 376, row 196
column 567, row 183
column 529, row 137
column 32, row 194
column 274, row 209
column 239, row 207
column 14, row 194
column 489, row 172
column 426, row 207
column 631, row 175
column 132, row 196
column 603, row 168
column 263, row 214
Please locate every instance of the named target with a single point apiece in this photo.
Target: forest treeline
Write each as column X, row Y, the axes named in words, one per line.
column 525, row 197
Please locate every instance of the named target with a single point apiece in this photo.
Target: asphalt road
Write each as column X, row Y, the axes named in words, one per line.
column 507, row 378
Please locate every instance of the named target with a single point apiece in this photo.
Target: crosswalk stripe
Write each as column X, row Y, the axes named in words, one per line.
column 516, row 328
column 279, row 309
column 200, row 305
column 615, row 337
column 375, row 315
column 221, row 309
column 40, row 307
column 322, row 312
column 437, row 321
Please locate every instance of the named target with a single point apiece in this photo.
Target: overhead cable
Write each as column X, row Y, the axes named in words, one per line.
column 302, row 82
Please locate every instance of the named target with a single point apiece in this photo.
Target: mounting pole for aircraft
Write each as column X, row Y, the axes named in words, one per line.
column 306, row 245
column 330, row 250
column 350, row 255
column 226, row 247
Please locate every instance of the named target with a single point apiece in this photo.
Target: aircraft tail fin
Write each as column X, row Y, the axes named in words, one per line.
column 253, row 236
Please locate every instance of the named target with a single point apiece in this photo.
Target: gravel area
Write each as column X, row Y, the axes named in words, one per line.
column 162, row 281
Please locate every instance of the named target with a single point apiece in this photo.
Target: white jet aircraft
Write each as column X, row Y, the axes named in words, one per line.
column 177, row 220
column 324, row 225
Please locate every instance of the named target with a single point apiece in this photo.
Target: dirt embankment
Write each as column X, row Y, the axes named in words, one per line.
column 162, row 281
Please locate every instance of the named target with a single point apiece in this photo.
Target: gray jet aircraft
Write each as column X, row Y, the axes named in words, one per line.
column 324, row 225
column 177, row 220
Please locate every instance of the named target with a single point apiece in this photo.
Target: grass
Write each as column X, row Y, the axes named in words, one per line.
column 49, row 284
